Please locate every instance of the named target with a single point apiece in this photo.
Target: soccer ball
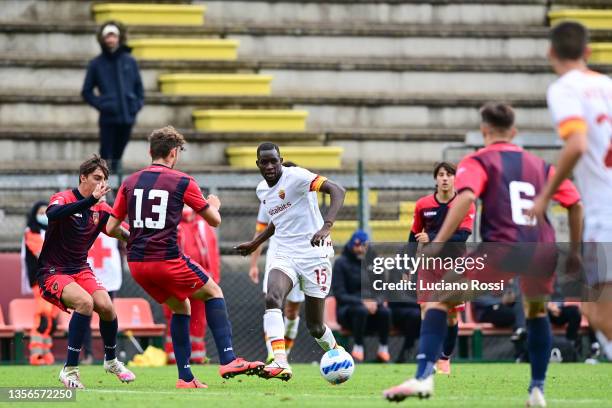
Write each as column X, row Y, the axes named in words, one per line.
column 337, row 366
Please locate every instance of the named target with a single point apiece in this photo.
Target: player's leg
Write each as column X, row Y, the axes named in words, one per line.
column 73, row 296
column 270, row 355
column 443, row 364
column 539, row 343
column 218, row 321
column 103, row 305
column 433, row 331
column 314, row 312
column 598, row 313
column 292, row 323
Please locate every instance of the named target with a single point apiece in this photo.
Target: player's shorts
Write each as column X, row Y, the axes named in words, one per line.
column 430, row 276
column 597, row 256
column 312, row 275
column 179, row 277
column 296, row 295
column 52, row 285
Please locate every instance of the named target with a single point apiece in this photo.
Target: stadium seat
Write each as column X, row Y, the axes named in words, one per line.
column 5, row 330
column 250, row 120
column 150, row 14
column 406, row 210
column 329, row 316
column 594, row 19
column 134, row 314
column 184, row 49
column 313, row 157
column 215, row 84
column 21, row 313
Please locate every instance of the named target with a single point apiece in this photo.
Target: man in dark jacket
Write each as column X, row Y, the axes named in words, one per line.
column 120, row 92
column 354, row 313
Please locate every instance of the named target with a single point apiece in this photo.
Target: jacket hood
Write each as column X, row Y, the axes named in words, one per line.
column 122, row 36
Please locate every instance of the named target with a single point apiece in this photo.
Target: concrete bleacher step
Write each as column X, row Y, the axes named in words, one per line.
column 321, row 157
column 184, row 48
column 593, row 19
column 248, row 120
column 381, row 230
column 214, row 84
column 150, row 14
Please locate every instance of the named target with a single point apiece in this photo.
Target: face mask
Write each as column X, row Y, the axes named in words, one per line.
column 42, row 219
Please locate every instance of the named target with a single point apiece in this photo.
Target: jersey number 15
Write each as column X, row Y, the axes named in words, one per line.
column 159, row 209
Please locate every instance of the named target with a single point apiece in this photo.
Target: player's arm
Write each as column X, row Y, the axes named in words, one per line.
column 57, row 210
column 210, row 212
column 336, row 193
column 117, row 229
column 465, row 199
column 254, row 269
column 567, row 195
column 248, row 247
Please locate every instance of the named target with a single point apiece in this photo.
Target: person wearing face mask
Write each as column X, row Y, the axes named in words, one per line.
column 45, row 317
column 353, row 312
column 198, row 241
column 120, row 94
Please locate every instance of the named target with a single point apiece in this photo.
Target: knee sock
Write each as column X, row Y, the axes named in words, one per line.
column 108, row 331
column 539, row 343
column 291, row 331
column 275, row 331
column 433, row 332
column 76, row 332
column 450, row 341
column 179, row 329
column 218, row 321
column 327, row 341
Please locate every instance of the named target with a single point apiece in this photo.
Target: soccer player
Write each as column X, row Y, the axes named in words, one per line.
column 580, row 102
column 294, row 299
column 64, row 276
column 304, row 249
column 429, row 215
column 153, row 200
column 506, row 178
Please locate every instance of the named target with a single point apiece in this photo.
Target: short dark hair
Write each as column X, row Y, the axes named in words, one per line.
column 449, row 167
column 90, row 165
column 267, row 146
column 569, row 40
column 498, row 115
column 161, row 141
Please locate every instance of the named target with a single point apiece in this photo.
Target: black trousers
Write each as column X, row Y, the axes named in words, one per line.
column 113, row 140
column 357, row 319
column 569, row 315
column 407, row 319
column 499, row 315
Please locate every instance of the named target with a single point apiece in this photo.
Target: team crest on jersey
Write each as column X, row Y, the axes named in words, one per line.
column 96, row 217
column 281, row 194
column 55, row 287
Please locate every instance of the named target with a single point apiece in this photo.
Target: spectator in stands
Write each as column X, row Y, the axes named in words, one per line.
column 355, row 313
column 406, row 318
column 561, row 314
column 120, row 94
column 104, row 257
column 197, row 240
column 45, row 317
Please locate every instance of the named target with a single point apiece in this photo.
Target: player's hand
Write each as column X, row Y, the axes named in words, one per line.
column 371, row 305
column 553, row 308
column 254, row 274
column 422, row 237
column 214, row 201
column 573, row 265
column 538, row 211
column 246, row 248
column 318, row 239
column 101, row 189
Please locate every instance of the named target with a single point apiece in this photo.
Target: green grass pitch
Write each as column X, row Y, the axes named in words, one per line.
column 470, row 385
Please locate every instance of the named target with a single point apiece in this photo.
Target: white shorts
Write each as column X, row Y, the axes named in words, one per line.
column 597, row 257
column 311, row 275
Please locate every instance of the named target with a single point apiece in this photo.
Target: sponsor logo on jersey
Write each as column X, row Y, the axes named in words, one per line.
column 78, row 215
column 281, row 194
column 55, row 287
column 279, row 208
column 429, row 213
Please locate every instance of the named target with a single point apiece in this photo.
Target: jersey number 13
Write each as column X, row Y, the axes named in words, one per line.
column 159, row 209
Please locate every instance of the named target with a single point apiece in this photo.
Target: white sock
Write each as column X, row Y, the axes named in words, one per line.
column 275, row 331
column 358, row 348
column 606, row 345
column 327, row 341
column 383, row 348
column 291, row 327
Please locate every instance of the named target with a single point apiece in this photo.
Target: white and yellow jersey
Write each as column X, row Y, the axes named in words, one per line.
column 291, row 205
column 581, row 100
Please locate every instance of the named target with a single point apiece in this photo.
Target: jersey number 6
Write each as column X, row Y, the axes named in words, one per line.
column 159, row 209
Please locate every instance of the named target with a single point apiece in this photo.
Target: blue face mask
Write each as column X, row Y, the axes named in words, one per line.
column 42, row 219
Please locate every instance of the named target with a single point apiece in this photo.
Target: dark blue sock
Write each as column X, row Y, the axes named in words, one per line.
column 179, row 330
column 219, row 324
column 76, row 333
column 450, row 341
column 108, row 331
column 539, row 343
column 433, row 332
